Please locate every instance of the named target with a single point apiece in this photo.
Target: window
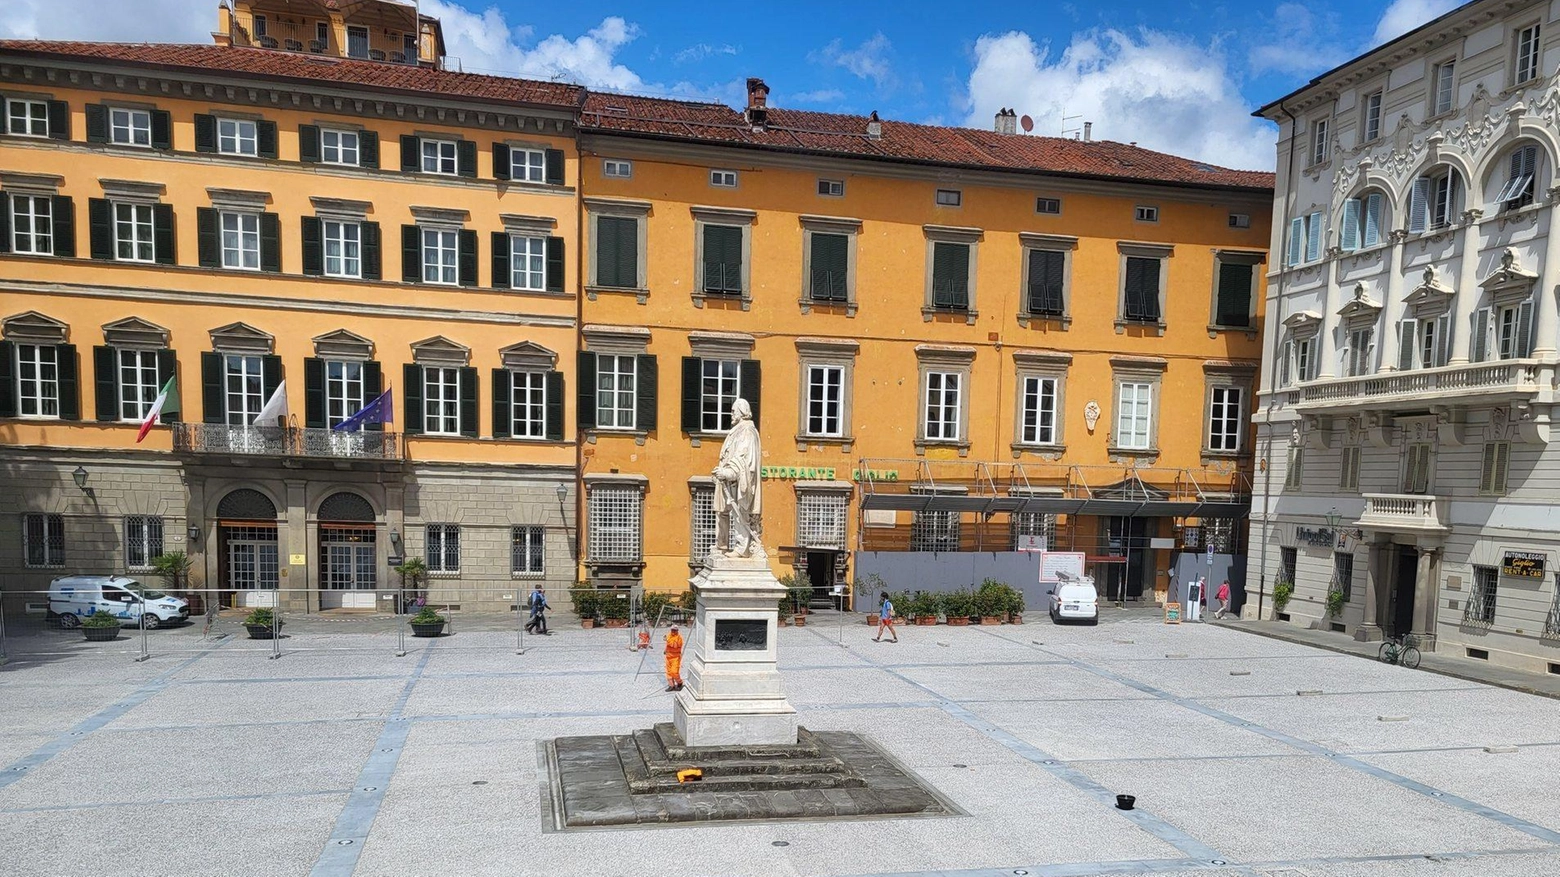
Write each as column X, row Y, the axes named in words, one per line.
column 260, row 26
column 37, row 380
column 1443, row 87
column 723, row 179
column 1025, row 524
column 1416, row 468
column 241, row 240
column 357, row 41
column 1240, row 220
column 1425, row 343
column 831, row 188
column 820, row 518
column 1288, row 558
column 528, row 404
column 525, row 551
column 1142, row 289
column 443, row 548
column 722, row 259
column 343, row 248
column 43, row 539
column 1048, row 206
column 1037, row 411
column 409, row 47
column 133, row 233
column 129, row 127
column 527, row 262
column 339, row 147
column 1370, row 125
column 1512, row 327
column 718, row 385
column 1364, row 221
column 617, row 251
column 1296, row 465
column 1305, row 238
column 702, row 523
column 1305, row 361
column 1518, row 190
column 1349, row 473
column 32, row 224
column 1359, row 356
column 438, row 156
column 441, row 400
column 1526, row 66
column 138, row 383
column 344, row 394
column 829, row 267
column 825, row 400
column 528, row 165
column 1046, row 292
column 614, row 522
column 617, row 169
column 1343, row 574
column 1233, row 305
column 942, row 406
column 949, row 197
column 1225, row 418
column 321, row 35
column 1497, row 460
column 143, row 541
column 1481, row 600
column 934, row 531
column 1319, row 144
column 29, row 118
column 1434, row 200
column 1145, row 214
column 950, row 276
column 615, row 376
column 244, row 387
column 440, row 255
column 237, row 137
column 1133, row 415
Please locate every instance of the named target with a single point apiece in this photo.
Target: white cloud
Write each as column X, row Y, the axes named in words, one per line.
column 1164, row 91
column 1298, row 43
column 821, row 96
column 1403, row 16
column 486, row 42
column 868, row 60
column 159, row 21
column 700, row 51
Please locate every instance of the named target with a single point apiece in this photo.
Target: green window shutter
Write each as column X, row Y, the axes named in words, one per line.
column 466, row 158
column 585, row 397
column 64, row 226
column 270, row 374
column 97, row 123
column 1142, row 292
column 373, row 386
column 168, row 367
column 162, row 130
column 830, row 262
column 646, row 401
column 468, row 402
column 265, row 139
column 208, row 238
column 617, row 256
column 205, row 132
column 412, row 396
column 368, row 149
column 59, row 120
column 100, row 226
column 950, row 275
column 502, row 269
column 466, row 261
column 411, row 156
column 750, row 386
column 313, row 246
column 213, row 399
column 105, row 380
column 66, row 374
column 411, row 254
column 500, row 161
column 1047, row 269
column 692, row 393
column 163, row 235
column 308, row 143
column 554, row 415
column 7, row 379
column 553, row 166
column 722, row 259
column 1235, row 294
column 314, row 393
column 555, row 264
column 628, row 253
column 5, row 222
column 370, row 234
column 503, row 402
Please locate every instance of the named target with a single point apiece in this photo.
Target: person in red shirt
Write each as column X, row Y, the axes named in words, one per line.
column 674, row 647
column 1223, row 596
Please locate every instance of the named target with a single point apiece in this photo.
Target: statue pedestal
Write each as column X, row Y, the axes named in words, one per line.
column 731, row 693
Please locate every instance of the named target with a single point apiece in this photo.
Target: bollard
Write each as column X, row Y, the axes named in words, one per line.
column 145, row 654
column 276, row 626
column 519, row 627
column 2, row 633
column 401, row 634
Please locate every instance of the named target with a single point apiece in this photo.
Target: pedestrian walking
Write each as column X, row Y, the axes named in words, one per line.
column 674, row 647
column 539, row 606
column 1223, row 596
column 886, row 620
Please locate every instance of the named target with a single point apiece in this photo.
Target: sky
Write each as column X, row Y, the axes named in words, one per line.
column 1177, row 77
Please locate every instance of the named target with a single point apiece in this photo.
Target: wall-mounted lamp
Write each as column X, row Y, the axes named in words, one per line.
column 395, row 542
column 80, row 477
column 1333, row 518
column 194, row 533
column 563, row 493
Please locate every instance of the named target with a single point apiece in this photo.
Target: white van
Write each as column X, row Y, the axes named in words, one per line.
column 1073, row 598
column 72, row 598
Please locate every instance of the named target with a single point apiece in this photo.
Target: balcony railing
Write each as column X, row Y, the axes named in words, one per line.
column 1511, row 375
column 278, row 441
column 1404, row 511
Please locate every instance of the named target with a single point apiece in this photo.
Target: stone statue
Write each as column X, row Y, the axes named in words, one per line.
column 738, row 505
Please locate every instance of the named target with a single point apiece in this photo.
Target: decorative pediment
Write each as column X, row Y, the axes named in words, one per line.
column 528, row 355
column 1510, row 282
column 135, row 332
column 440, row 350
column 33, row 326
column 241, row 338
column 1430, row 297
column 342, row 344
column 1362, row 308
column 1303, row 324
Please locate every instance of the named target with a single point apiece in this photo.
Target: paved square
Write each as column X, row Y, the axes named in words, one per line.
column 342, row 759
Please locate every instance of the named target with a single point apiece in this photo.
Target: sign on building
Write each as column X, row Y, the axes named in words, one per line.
column 1053, row 562
column 1031, row 542
column 1523, row 564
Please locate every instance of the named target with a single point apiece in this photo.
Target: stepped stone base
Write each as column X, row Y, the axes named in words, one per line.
column 631, row 779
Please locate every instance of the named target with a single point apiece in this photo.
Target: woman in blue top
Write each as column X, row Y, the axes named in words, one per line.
column 886, row 620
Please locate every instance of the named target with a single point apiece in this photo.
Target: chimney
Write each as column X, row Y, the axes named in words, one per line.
column 757, row 106
column 1088, row 131
column 1006, row 121
column 874, row 127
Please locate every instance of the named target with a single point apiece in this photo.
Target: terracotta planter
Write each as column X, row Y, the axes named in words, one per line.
column 587, row 623
column 925, row 620
column 800, row 620
column 874, row 620
column 1015, row 619
column 617, row 622
column 990, row 620
column 958, row 621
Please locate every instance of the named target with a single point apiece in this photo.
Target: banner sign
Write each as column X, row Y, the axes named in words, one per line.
column 1523, row 564
column 1172, row 613
column 1053, row 562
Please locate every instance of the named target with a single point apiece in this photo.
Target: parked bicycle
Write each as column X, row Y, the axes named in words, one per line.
column 1401, row 650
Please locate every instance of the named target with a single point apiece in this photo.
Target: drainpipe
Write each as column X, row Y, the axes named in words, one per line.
column 1276, row 321
column 580, row 265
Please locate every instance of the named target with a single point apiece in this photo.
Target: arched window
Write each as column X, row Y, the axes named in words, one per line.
column 1364, row 220
column 1521, row 179
column 345, row 506
column 246, row 505
column 1435, row 199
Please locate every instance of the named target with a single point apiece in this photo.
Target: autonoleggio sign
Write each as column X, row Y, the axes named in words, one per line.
column 1523, row 564
column 824, row 473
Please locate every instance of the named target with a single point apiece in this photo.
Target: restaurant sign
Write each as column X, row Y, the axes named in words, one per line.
column 1523, row 564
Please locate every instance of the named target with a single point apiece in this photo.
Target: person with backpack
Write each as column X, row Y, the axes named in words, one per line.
column 886, row 620
column 539, row 606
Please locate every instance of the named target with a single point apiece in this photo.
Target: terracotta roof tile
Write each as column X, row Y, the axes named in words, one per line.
column 271, row 64
column 846, row 135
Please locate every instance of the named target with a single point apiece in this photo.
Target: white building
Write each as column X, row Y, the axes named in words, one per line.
column 1404, row 428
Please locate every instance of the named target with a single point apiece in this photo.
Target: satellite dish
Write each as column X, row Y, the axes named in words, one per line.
column 1028, row 123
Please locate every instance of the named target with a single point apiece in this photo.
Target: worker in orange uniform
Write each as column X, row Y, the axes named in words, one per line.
column 674, row 647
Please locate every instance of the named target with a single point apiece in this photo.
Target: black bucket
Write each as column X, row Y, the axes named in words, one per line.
column 1125, row 802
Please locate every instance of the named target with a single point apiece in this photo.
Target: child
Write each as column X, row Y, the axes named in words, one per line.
column 674, row 647
column 886, row 620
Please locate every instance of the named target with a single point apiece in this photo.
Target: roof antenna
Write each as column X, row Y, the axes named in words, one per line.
column 1065, row 119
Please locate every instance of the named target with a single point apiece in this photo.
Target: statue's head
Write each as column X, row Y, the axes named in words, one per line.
column 740, row 411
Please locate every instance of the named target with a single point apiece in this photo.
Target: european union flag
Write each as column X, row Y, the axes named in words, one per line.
column 380, row 410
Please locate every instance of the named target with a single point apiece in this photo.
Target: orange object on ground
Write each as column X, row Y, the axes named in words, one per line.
column 674, row 648
column 691, row 773
column 644, row 639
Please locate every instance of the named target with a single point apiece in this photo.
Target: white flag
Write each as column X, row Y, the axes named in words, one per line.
column 275, row 411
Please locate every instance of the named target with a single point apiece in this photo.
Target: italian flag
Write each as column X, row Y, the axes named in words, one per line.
column 167, row 400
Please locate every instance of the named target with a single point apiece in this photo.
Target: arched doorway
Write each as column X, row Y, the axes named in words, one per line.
column 348, row 558
column 250, row 569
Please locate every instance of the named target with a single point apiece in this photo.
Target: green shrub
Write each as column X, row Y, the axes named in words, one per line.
column 688, row 600
column 613, row 605
column 1282, row 591
column 100, row 619
column 1335, row 602
column 427, row 616
column 958, row 604
column 653, row 604
column 261, row 617
column 923, row 603
column 586, row 601
column 992, row 598
column 1015, row 601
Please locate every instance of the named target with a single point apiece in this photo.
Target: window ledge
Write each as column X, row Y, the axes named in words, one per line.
column 444, row 574
column 846, row 442
column 1210, row 454
column 640, row 294
column 830, row 307
column 1116, row 451
column 1215, row 328
column 527, row 575
column 922, row 444
column 744, row 297
column 594, row 433
column 1048, row 452
column 1063, row 321
column 928, row 313
column 1123, row 324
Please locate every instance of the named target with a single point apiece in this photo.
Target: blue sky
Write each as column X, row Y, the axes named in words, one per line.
column 1178, row 77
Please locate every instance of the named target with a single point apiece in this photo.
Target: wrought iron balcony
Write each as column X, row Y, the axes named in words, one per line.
column 1507, row 380
column 1402, row 512
column 277, row 441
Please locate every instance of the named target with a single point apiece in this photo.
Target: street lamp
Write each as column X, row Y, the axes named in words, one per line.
column 1333, row 518
column 563, row 493
column 80, row 477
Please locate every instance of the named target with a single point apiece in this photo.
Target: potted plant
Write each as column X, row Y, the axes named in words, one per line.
column 784, row 609
column 427, row 622
column 173, row 567
column 958, row 606
column 585, row 602
column 1015, row 605
column 654, row 605
column 100, row 627
column 1282, row 591
column 904, row 606
column 613, row 607
column 262, row 623
column 414, row 574
column 924, row 608
column 1335, row 601
column 688, row 601
column 991, row 600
